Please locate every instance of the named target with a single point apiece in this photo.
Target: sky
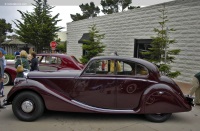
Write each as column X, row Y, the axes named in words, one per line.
column 8, row 8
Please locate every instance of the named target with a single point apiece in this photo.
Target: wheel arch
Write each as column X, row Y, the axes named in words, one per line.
column 12, row 73
column 161, row 98
column 9, row 101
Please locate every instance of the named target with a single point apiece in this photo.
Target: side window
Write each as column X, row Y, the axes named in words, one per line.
column 39, row 58
column 59, row 60
column 97, row 67
column 44, row 59
column 132, row 69
column 91, row 68
column 127, row 68
column 55, row 60
column 141, row 70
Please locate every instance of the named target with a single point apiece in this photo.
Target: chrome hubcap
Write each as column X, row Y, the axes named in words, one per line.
column 27, row 106
column 5, row 78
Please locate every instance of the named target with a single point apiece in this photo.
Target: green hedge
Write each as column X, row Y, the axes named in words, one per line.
column 9, row 57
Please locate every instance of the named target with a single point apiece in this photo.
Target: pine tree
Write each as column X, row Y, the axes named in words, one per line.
column 93, row 46
column 88, row 10
column 38, row 27
column 115, row 6
column 159, row 53
column 62, row 46
column 78, row 17
column 4, row 28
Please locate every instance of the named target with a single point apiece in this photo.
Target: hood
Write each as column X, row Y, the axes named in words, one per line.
column 56, row 74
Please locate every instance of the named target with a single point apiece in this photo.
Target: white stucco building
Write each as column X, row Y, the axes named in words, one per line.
column 125, row 32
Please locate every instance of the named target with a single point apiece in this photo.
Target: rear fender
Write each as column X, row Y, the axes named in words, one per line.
column 161, row 98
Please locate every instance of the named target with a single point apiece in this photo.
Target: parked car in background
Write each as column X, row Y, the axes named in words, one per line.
column 47, row 62
column 107, row 84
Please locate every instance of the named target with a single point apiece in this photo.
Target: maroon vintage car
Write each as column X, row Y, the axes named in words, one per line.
column 47, row 62
column 108, row 84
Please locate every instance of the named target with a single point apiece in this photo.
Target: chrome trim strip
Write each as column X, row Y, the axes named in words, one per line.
column 138, row 79
column 87, row 107
column 50, row 77
column 101, row 109
column 115, row 78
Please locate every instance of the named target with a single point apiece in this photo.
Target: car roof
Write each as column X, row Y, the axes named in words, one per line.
column 53, row 54
column 138, row 60
column 147, row 64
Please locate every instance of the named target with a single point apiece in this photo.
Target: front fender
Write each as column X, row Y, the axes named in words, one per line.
column 31, row 85
column 53, row 99
column 12, row 72
column 24, row 85
column 161, row 98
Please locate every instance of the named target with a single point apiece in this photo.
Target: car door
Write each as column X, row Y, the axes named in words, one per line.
column 96, row 87
column 132, row 81
column 48, row 62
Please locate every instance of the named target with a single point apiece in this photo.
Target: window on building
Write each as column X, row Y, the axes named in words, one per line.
column 141, row 45
column 85, row 36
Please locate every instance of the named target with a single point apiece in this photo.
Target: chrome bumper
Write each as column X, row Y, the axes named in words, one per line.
column 3, row 103
column 190, row 100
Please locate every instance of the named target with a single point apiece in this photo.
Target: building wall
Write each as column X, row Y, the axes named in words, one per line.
column 62, row 35
column 121, row 29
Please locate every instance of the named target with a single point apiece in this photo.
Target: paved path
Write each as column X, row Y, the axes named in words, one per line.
column 61, row 121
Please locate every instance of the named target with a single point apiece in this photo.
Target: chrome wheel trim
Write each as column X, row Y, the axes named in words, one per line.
column 6, row 79
column 27, row 106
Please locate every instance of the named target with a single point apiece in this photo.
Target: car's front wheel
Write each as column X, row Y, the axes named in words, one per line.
column 27, row 106
column 158, row 117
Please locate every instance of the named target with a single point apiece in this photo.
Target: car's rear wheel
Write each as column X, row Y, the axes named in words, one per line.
column 158, row 117
column 27, row 106
column 6, row 79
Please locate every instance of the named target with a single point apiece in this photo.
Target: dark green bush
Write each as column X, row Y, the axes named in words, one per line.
column 9, row 57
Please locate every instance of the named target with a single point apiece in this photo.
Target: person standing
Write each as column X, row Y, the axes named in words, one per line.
column 1, row 74
column 17, row 55
column 34, row 62
column 22, row 60
column 195, row 88
column 29, row 57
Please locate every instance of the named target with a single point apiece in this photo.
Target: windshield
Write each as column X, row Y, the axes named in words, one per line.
column 76, row 59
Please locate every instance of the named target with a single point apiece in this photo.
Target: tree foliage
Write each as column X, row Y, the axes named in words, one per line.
column 133, row 7
column 88, row 11
column 115, row 6
column 4, row 29
column 62, row 46
column 38, row 27
column 12, row 37
column 93, row 46
column 159, row 53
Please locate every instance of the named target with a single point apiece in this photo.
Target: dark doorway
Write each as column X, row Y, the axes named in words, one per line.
column 141, row 45
column 85, row 36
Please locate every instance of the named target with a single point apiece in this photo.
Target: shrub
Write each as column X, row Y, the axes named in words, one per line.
column 9, row 57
